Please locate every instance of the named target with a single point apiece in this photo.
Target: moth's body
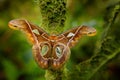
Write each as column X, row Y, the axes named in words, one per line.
column 57, row 48
column 50, row 58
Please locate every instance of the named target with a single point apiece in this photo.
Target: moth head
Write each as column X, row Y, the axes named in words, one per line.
column 89, row 31
column 16, row 23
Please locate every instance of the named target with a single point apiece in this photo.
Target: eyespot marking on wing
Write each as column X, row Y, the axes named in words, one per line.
column 36, row 31
column 70, row 34
column 58, row 51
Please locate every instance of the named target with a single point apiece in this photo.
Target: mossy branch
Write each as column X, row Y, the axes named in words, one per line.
column 56, row 74
column 53, row 14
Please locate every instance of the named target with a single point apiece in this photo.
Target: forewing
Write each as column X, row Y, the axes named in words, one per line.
column 74, row 34
column 33, row 32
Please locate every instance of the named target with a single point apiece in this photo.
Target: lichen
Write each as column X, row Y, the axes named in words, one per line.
column 53, row 14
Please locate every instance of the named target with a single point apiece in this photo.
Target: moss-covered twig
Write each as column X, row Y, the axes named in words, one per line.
column 53, row 14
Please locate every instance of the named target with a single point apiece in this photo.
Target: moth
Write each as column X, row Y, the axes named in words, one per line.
column 51, row 51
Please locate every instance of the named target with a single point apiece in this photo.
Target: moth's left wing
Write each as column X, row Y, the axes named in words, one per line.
column 33, row 32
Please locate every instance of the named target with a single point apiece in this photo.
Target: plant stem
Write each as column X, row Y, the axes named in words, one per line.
column 53, row 14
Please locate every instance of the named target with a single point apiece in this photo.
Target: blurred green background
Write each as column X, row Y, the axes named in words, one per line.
column 16, row 60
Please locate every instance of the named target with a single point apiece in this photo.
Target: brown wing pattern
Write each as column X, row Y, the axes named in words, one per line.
column 30, row 30
column 57, row 48
column 76, row 33
column 36, row 35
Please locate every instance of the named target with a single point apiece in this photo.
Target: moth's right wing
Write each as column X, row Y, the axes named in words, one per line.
column 74, row 34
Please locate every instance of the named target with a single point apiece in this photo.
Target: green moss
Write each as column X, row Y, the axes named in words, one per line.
column 53, row 14
column 56, row 74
